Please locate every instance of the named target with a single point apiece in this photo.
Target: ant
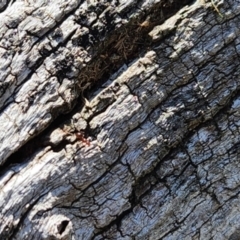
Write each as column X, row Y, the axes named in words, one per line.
column 80, row 136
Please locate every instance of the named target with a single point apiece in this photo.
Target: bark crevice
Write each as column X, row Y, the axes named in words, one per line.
column 122, row 119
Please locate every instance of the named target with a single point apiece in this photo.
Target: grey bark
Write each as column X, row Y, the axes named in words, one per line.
column 120, row 119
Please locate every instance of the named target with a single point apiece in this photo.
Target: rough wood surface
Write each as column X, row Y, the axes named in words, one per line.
column 119, row 120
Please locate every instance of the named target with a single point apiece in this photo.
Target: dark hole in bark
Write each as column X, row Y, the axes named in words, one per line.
column 62, row 226
column 235, row 235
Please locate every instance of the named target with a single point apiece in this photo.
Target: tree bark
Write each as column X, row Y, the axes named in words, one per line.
column 119, row 119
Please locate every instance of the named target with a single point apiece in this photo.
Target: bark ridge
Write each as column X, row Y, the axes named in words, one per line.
column 119, row 120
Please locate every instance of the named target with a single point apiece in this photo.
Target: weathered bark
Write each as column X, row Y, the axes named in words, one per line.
column 153, row 152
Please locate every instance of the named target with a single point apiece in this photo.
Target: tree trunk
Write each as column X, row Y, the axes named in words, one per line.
column 120, row 119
